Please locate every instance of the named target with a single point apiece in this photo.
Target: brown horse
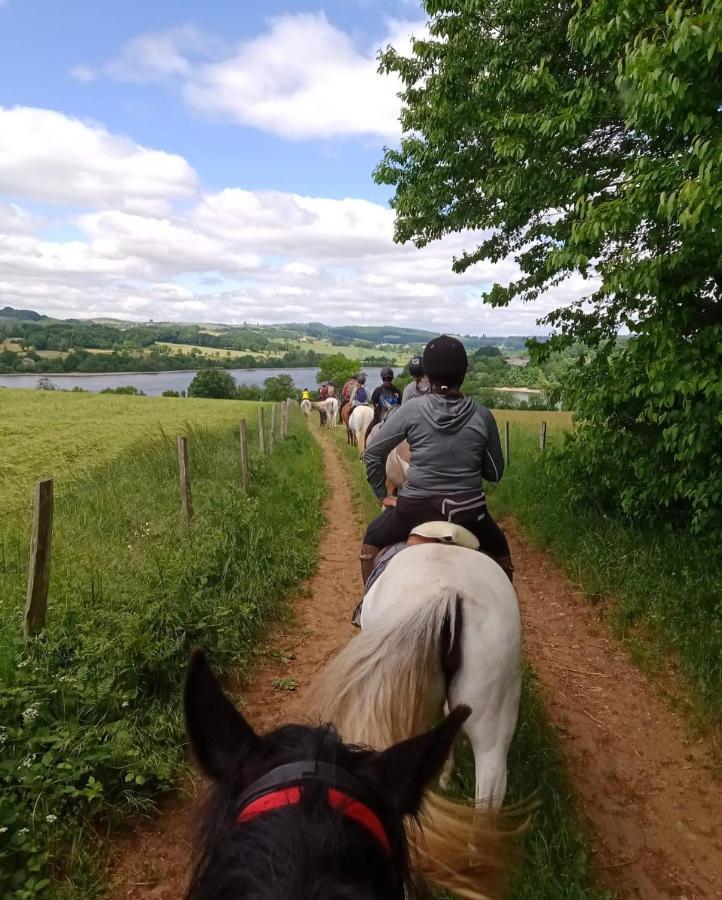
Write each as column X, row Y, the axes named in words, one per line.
column 397, row 462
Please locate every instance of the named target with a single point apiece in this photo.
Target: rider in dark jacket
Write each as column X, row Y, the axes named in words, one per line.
column 454, row 445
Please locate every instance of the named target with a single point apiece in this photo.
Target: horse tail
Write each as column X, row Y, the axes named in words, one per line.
column 389, row 684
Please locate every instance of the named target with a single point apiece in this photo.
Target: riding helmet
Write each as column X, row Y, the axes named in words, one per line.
column 416, row 367
column 445, row 361
column 362, row 378
column 387, row 374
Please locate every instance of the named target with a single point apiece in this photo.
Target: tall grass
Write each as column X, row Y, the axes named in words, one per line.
column 664, row 586
column 555, row 864
column 91, row 727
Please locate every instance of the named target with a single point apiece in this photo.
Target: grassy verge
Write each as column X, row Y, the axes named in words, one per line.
column 555, row 865
column 664, row 586
column 91, row 728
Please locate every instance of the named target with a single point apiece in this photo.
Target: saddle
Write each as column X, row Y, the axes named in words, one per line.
column 446, row 533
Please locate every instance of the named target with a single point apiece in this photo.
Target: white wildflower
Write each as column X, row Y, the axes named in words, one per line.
column 24, row 831
column 125, row 703
column 29, row 760
column 3, row 829
column 23, row 663
column 3, row 736
column 51, row 818
column 30, row 713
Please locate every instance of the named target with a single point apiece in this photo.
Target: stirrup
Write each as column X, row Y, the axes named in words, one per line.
column 356, row 617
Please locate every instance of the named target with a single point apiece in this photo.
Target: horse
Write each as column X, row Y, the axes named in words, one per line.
column 332, row 411
column 397, row 462
column 296, row 812
column 359, row 421
column 345, row 415
column 306, row 407
column 440, row 625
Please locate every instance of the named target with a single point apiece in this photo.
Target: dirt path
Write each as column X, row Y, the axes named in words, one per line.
column 649, row 789
column 155, row 859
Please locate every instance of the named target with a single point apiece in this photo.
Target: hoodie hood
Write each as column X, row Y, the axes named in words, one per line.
column 447, row 414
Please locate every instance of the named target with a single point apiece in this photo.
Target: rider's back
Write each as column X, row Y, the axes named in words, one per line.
column 454, row 443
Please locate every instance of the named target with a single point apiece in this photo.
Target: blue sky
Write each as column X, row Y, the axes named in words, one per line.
column 212, row 162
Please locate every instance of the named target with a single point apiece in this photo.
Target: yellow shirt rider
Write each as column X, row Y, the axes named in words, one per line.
column 305, row 395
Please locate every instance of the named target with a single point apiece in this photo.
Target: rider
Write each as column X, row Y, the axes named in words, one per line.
column 323, row 392
column 385, row 398
column 455, row 443
column 359, row 395
column 420, row 385
column 347, row 390
column 305, row 395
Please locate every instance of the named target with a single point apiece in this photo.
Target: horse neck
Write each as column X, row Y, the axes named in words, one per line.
column 297, row 852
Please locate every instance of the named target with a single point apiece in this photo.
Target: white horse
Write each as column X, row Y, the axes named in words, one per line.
column 359, row 421
column 332, row 411
column 440, row 626
column 306, row 407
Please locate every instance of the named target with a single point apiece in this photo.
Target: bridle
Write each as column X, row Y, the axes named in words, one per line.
column 283, row 785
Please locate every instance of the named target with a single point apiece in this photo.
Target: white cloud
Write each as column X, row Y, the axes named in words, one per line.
column 301, row 78
column 138, row 248
column 48, row 156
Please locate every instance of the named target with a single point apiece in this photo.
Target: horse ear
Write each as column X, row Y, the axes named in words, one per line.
column 406, row 769
column 218, row 733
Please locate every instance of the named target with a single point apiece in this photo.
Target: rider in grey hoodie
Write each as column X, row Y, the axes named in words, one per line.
column 454, row 445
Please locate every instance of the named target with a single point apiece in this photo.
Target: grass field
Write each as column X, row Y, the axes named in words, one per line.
column 90, row 726
column 215, row 352
column 555, row 864
column 64, row 435
column 348, row 350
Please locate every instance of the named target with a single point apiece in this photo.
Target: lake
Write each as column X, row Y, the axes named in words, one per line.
column 154, row 383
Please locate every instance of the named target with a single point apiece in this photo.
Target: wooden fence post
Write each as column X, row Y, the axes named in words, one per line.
column 507, row 443
column 245, row 468
column 542, row 435
column 185, row 480
column 272, row 429
column 286, row 416
column 261, row 429
column 36, row 601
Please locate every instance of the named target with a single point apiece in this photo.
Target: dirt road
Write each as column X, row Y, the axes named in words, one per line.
column 647, row 788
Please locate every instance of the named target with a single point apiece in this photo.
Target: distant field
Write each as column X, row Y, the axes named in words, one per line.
column 214, row 351
column 321, row 346
column 46, row 433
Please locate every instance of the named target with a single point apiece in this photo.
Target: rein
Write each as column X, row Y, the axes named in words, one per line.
column 281, row 787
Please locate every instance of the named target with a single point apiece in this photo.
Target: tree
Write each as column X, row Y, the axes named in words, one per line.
column 213, row 383
column 278, row 387
column 586, row 140
column 337, row 368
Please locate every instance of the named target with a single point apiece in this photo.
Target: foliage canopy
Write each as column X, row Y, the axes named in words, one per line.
column 585, row 140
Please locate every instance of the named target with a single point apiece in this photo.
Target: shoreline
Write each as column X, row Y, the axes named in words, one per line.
column 144, row 372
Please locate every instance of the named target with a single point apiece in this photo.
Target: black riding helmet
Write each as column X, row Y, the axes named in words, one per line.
column 445, row 361
column 416, row 367
column 387, row 374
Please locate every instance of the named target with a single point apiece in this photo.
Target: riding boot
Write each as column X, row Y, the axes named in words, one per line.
column 507, row 565
column 367, row 556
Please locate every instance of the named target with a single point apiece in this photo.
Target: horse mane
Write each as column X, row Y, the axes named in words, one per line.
column 387, row 685
column 234, row 862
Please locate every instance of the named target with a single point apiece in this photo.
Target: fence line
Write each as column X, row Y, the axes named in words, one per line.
column 185, row 480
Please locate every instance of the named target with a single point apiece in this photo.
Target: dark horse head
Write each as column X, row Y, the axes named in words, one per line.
column 296, row 814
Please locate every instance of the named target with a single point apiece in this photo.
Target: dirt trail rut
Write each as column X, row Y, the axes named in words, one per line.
column 155, row 859
column 649, row 790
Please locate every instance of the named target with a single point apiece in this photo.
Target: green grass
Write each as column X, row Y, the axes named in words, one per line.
column 91, row 727
column 662, row 588
column 555, row 864
column 348, row 350
column 62, row 435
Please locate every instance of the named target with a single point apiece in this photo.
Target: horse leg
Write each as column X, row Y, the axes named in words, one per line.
column 491, row 686
column 447, row 773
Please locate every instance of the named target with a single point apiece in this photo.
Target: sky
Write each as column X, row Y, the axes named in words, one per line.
column 180, row 160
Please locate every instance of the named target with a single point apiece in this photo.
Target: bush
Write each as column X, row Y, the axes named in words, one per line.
column 278, row 388
column 338, row 369
column 215, row 384
column 129, row 389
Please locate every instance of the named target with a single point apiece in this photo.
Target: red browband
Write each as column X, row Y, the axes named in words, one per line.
column 346, row 805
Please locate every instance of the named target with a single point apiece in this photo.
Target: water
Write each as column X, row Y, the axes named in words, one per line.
column 154, row 383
